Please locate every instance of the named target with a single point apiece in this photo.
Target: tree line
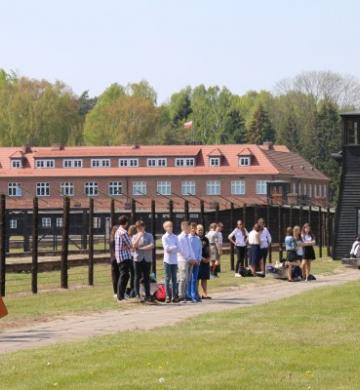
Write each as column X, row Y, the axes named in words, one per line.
column 302, row 113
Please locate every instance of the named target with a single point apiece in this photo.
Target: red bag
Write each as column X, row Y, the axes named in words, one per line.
column 3, row 309
column 160, row 293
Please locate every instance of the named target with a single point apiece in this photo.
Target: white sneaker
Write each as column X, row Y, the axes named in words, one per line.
column 237, row 275
column 115, row 296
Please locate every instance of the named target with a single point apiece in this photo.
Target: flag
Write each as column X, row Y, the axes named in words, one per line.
column 188, row 125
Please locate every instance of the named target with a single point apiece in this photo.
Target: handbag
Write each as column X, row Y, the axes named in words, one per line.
column 3, row 309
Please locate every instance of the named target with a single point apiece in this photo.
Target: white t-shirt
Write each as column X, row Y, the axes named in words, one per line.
column 254, row 238
column 307, row 238
column 240, row 238
column 265, row 238
column 213, row 237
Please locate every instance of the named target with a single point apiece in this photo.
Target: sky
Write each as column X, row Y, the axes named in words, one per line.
column 241, row 44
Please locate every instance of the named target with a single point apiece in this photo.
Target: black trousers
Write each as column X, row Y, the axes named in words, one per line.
column 241, row 254
column 125, row 268
column 142, row 268
column 114, row 274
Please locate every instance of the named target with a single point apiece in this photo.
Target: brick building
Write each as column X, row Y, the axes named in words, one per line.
column 252, row 174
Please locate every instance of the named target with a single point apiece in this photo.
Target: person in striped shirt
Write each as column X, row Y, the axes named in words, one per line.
column 123, row 256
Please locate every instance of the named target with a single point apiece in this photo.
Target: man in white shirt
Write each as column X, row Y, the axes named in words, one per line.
column 171, row 246
column 185, row 260
column 265, row 242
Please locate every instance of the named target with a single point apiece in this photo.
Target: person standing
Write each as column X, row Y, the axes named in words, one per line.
column 114, row 266
column 196, row 246
column 309, row 253
column 220, row 243
column 291, row 256
column 204, row 268
column 213, row 238
column 265, row 241
column 254, row 242
column 185, row 260
column 123, row 256
column 241, row 235
column 143, row 244
column 170, row 245
column 131, row 290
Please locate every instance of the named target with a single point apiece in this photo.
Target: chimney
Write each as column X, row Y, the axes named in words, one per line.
column 26, row 149
column 57, row 147
column 268, row 145
column 136, row 146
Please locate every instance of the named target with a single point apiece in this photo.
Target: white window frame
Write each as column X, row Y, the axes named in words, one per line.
column 72, row 163
column 304, row 189
column 188, row 187
column 139, row 188
column 14, row 189
column 128, row 162
column 156, row 162
column 46, row 222
column 213, row 187
column 244, row 161
column 42, row 189
column 163, row 187
column 115, row 188
column 294, row 190
column 91, row 188
column 67, row 188
column 45, row 163
column 261, row 187
column 59, row 222
column 100, row 163
column 13, row 223
column 96, row 222
column 214, row 161
column 185, row 162
column 324, row 190
column 310, row 190
column 238, row 187
column 16, row 163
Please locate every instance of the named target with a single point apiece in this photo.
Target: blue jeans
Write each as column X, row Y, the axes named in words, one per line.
column 171, row 280
column 194, row 294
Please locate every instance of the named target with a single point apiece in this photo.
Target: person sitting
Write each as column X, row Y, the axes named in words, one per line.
column 355, row 249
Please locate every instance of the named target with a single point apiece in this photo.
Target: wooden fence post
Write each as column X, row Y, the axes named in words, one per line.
column 202, row 212
column 84, row 230
column 328, row 229
column 186, row 210
column 300, row 216
column 291, row 215
column 34, row 246
column 310, row 214
column 280, row 232
column 65, row 244
column 232, row 257
column 244, row 222
column 112, row 213
column 91, row 243
column 133, row 211
column 171, row 210
column 26, row 232
column 153, row 232
column 268, row 224
column 2, row 244
column 255, row 213
column 217, row 208
column 320, row 232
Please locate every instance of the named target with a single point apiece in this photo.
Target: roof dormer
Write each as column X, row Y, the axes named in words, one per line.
column 215, row 157
column 245, row 157
column 17, row 159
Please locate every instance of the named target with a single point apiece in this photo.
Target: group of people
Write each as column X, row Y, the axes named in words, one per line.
column 193, row 257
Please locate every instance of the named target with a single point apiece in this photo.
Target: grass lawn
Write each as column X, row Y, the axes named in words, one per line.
column 47, row 304
column 310, row 341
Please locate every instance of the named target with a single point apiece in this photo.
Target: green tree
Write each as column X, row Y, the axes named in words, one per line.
column 260, row 128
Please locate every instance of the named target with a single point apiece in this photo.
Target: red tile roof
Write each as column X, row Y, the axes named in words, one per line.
column 245, row 152
column 277, row 160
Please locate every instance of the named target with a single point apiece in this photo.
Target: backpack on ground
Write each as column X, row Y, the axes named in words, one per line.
column 160, row 293
column 311, row 277
column 296, row 272
column 244, row 272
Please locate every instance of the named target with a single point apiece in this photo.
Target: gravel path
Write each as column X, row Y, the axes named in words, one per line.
column 79, row 327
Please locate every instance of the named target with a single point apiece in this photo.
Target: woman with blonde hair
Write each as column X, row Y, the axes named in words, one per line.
column 309, row 253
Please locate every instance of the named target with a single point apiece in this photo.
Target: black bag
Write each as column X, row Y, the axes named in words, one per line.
column 292, row 256
column 311, row 277
column 245, row 272
column 296, row 272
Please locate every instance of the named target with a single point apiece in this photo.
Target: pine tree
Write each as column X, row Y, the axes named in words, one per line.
column 260, row 128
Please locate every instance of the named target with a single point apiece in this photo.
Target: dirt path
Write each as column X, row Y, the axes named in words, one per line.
column 80, row 327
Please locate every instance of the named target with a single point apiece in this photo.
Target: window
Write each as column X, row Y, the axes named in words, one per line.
column 139, row 188
column 238, row 187
column 91, row 188
column 46, row 222
column 213, row 187
column 310, row 190
column 304, row 189
column 97, row 223
column 42, row 189
column 316, row 194
column 184, row 162
column 188, row 187
column 163, row 187
column 100, row 162
column 128, row 162
column 294, row 188
column 72, row 163
column 16, row 163
column 244, row 161
column 13, row 223
column 214, row 161
column 45, row 164
column 156, row 162
column 261, row 187
column 59, row 222
column 67, row 188
column 115, row 188
column 14, row 189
